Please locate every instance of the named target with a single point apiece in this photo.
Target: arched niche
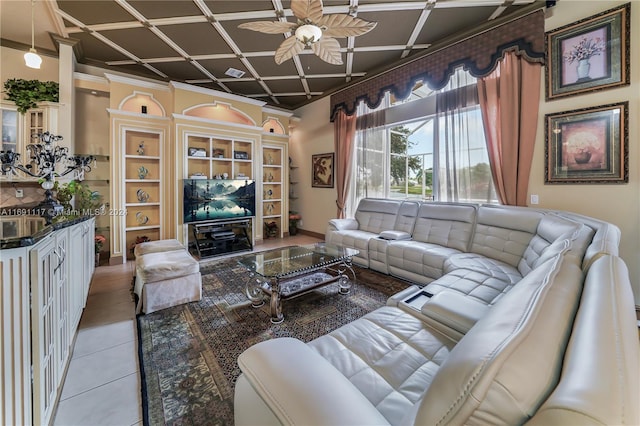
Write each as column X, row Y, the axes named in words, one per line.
column 273, row 125
column 221, row 112
column 141, row 102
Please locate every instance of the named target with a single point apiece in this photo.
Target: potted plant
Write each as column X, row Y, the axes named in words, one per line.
column 294, row 217
column 99, row 242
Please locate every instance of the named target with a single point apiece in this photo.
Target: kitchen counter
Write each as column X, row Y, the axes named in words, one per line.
column 20, row 228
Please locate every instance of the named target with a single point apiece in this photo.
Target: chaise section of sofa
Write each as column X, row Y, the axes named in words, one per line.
column 519, row 357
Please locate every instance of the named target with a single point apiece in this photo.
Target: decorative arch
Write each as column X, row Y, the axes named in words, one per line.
column 142, row 102
column 273, row 125
column 219, row 111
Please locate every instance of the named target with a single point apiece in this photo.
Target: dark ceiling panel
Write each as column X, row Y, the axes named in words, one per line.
column 324, row 84
column 95, row 12
column 311, row 64
column 169, row 9
column 197, row 39
column 141, row 42
column 291, row 101
column 184, row 69
column 371, row 61
column 137, row 70
column 230, row 6
column 396, row 28
column 446, row 22
column 266, row 65
column 212, row 85
column 218, row 66
column 245, row 87
column 285, row 86
column 92, row 48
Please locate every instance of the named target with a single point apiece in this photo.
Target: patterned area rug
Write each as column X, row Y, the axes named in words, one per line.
column 188, row 354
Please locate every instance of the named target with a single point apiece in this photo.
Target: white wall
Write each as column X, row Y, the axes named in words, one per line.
column 618, row 204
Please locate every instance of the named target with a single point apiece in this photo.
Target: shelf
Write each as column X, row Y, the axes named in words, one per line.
column 140, row 228
column 142, row 157
column 272, row 216
column 142, row 180
column 141, row 204
column 272, row 200
column 275, row 166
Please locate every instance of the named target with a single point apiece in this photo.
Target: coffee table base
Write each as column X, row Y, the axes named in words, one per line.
column 280, row 289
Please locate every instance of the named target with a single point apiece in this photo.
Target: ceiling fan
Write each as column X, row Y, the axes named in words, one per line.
column 314, row 30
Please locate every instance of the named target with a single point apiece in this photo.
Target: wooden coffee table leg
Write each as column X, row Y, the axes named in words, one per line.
column 276, row 303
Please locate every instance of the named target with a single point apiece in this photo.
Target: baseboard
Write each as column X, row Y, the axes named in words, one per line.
column 311, row 234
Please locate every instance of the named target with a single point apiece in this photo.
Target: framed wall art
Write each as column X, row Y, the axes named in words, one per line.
column 588, row 55
column 588, row 145
column 322, row 170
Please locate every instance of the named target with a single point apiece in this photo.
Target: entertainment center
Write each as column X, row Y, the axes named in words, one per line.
column 218, row 237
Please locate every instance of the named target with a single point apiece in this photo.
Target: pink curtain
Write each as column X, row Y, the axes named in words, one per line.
column 344, row 135
column 509, row 100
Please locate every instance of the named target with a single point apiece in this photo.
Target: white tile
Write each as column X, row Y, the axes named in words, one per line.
column 95, row 339
column 90, row 371
column 116, row 403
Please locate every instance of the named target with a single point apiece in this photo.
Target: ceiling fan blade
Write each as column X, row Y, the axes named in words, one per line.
column 328, row 49
column 307, row 9
column 291, row 46
column 268, row 27
column 341, row 25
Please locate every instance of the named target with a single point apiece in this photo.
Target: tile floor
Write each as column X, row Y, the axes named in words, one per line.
column 102, row 386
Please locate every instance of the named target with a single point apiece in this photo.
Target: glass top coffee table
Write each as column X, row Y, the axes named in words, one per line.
column 288, row 272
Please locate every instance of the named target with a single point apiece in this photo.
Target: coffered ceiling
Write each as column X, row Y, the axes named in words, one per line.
column 197, row 41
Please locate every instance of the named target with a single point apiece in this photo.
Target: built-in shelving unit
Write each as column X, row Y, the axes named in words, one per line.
column 142, row 186
column 214, row 157
column 273, row 191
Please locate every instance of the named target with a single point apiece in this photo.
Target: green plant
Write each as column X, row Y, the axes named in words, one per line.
column 86, row 200
column 27, row 93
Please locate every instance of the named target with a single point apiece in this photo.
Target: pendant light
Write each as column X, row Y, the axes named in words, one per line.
column 31, row 58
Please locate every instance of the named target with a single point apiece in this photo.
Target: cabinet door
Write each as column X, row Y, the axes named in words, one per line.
column 10, row 133
column 43, row 261
column 15, row 379
column 77, row 252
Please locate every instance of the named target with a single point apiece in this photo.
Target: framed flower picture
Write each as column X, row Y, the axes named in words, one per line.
column 588, row 55
column 589, row 145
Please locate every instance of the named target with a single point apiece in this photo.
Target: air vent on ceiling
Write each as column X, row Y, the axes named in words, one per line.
column 232, row 72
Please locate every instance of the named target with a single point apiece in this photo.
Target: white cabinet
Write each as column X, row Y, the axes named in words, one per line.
column 15, row 341
column 58, row 295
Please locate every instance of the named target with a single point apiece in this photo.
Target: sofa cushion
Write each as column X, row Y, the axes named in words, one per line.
column 551, row 229
column 491, row 268
column 377, row 215
column 355, row 239
column 480, row 286
column 406, row 217
column 389, row 355
column 503, row 233
column 509, row 362
column 448, row 225
column 418, row 261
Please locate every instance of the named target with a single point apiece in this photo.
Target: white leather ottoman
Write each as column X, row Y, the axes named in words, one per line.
column 166, row 279
column 157, row 247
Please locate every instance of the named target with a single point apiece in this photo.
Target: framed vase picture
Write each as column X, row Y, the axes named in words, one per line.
column 588, row 55
column 322, row 170
column 588, row 146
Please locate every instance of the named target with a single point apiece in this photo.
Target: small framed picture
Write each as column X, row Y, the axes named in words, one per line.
column 588, row 146
column 240, row 155
column 197, row 152
column 322, row 169
column 588, row 55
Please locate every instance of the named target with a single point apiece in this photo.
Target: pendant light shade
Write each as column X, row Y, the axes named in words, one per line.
column 31, row 58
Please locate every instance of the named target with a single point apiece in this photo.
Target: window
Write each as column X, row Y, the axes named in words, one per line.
column 430, row 146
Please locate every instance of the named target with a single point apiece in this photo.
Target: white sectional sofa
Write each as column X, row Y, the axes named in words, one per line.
column 517, row 315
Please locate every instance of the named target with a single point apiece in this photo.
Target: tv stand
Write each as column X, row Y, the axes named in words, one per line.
column 218, row 237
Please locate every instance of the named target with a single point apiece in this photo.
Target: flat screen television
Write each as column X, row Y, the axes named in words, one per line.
column 214, row 199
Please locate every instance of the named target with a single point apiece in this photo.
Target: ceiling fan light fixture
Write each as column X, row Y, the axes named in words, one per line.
column 32, row 59
column 308, row 34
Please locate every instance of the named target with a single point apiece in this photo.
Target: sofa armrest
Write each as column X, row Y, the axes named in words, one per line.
column 395, row 235
column 342, row 224
column 301, row 387
column 454, row 310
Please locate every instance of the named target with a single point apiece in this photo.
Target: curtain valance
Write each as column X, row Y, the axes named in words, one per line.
column 478, row 54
